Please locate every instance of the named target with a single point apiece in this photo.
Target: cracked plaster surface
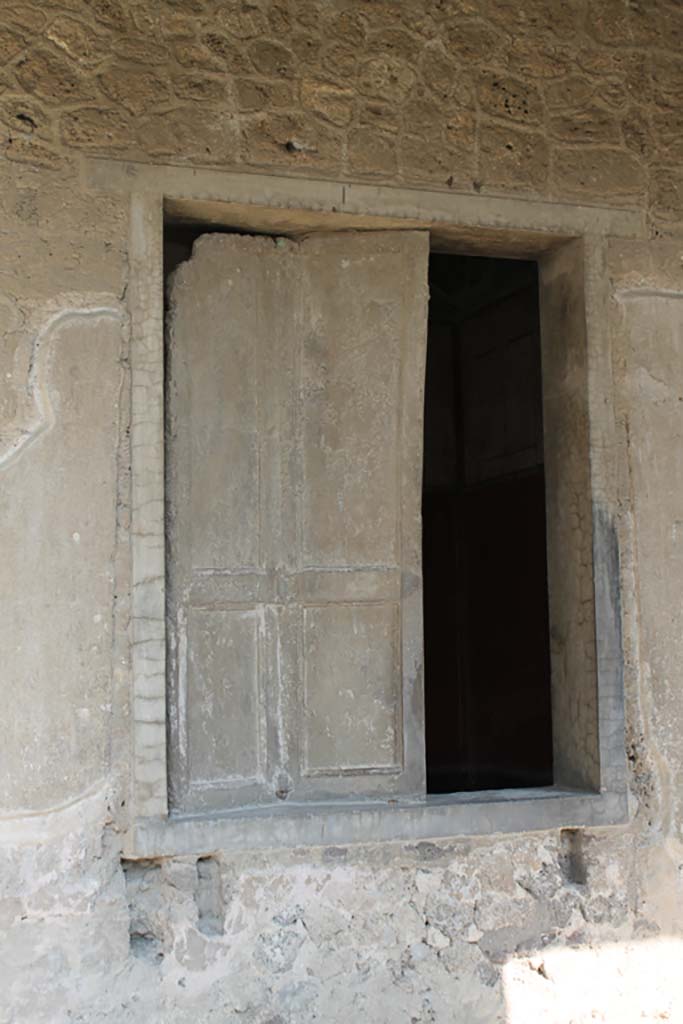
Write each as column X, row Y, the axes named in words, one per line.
column 585, row 107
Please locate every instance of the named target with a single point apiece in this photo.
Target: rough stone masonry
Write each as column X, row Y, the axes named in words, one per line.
column 577, row 101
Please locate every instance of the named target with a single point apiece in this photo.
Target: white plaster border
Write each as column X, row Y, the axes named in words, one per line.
column 42, row 417
column 518, row 226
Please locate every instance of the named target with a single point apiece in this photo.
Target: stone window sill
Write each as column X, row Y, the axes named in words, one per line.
column 414, row 820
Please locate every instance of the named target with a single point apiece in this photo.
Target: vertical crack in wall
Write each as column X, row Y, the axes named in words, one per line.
column 120, row 745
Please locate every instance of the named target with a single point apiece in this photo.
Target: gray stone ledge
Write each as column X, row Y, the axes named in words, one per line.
column 341, row 824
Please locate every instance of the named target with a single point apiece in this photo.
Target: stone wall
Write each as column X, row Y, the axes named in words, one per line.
column 539, row 98
column 544, row 98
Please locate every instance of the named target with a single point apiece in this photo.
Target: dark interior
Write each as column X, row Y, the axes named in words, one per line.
column 487, row 661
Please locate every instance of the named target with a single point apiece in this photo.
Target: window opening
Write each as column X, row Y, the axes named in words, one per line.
column 487, row 659
column 587, row 768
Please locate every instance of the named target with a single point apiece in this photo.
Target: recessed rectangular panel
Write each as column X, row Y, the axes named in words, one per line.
column 351, row 360
column 322, row 586
column 214, row 363
column 222, row 695
column 352, row 688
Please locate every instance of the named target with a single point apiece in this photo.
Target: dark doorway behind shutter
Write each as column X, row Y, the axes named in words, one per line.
column 487, row 662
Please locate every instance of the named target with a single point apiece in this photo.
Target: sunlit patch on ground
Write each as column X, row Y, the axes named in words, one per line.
column 615, row 983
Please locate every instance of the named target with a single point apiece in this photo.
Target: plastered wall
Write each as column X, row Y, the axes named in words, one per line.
column 568, row 101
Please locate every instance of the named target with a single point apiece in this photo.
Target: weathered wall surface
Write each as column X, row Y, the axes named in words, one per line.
column 560, row 100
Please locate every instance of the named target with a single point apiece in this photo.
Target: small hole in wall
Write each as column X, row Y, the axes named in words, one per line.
column 572, row 858
column 209, row 897
column 143, row 884
column 144, row 946
column 27, row 121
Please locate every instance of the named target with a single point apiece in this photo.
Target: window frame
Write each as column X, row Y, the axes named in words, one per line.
column 568, row 237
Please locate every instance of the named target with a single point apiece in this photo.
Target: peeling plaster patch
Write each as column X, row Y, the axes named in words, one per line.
column 23, row 436
column 276, row 951
column 144, row 901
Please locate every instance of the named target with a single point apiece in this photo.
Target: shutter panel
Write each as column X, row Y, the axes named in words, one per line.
column 294, row 436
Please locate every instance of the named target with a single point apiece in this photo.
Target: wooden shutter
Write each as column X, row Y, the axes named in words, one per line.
column 294, row 436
